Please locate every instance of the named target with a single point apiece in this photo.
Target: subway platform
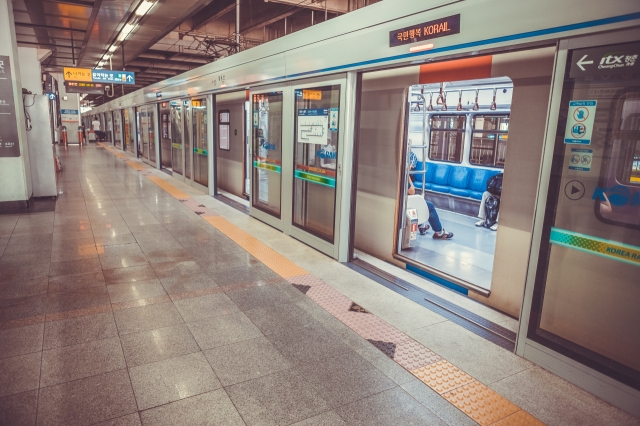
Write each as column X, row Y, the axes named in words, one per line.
column 142, row 301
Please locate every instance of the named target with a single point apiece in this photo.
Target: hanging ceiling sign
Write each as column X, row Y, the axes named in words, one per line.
column 607, row 60
column 425, row 31
column 99, row 76
column 111, row 76
column 9, row 144
column 77, row 74
column 84, row 87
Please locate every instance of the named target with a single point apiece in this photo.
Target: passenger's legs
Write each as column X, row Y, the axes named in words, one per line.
column 481, row 213
column 434, row 220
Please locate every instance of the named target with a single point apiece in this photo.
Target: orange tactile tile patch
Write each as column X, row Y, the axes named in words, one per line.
column 169, row 188
column 442, row 376
column 519, row 418
column 135, row 165
column 480, row 403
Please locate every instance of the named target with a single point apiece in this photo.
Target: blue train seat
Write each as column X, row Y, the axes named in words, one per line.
column 478, row 182
column 441, row 178
column 459, row 180
column 455, row 180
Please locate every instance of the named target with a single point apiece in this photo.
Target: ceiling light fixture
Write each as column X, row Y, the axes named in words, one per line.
column 421, row 47
column 126, row 30
column 144, row 7
column 113, row 48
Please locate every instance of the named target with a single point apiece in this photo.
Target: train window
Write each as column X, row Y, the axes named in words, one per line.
column 447, row 138
column 628, row 171
column 489, row 140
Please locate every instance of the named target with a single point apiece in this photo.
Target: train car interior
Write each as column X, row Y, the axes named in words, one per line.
column 456, row 142
column 232, row 146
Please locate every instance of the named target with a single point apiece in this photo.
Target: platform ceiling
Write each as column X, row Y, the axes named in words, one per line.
column 173, row 37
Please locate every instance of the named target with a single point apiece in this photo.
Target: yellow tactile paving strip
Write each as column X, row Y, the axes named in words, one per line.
column 442, row 376
column 476, row 400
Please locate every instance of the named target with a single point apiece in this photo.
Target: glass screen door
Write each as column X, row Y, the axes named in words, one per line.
column 175, row 131
column 186, row 137
column 267, row 152
column 200, row 148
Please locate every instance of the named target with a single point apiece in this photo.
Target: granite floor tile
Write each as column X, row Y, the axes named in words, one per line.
column 82, row 329
column 71, row 267
column 124, row 292
column 344, row 378
column 147, row 318
column 310, row 344
column 87, row 401
column 188, row 283
column 259, row 297
column 329, row 418
column 79, row 299
column 23, row 310
column 26, row 248
column 112, row 240
column 281, row 318
column 277, row 399
column 199, row 308
column 122, row 260
column 63, row 283
column 77, row 254
column 19, row 409
column 223, row 330
column 173, row 379
column 69, row 363
column 176, row 268
column 19, row 374
column 157, row 345
column 236, row 275
column 245, row 360
column 207, row 409
column 130, row 274
column 8, row 261
column 128, row 420
column 11, row 289
column 393, row 406
column 21, row 340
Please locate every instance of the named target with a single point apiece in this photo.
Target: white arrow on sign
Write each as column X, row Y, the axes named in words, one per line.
column 582, row 62
column 131, row 78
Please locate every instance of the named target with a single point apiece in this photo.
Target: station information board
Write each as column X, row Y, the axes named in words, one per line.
column 99, row 76
column 425, row 31
column 9, row 143
column 84, row 87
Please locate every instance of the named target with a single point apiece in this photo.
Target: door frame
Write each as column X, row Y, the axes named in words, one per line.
column 602, row 386
column 192, row 181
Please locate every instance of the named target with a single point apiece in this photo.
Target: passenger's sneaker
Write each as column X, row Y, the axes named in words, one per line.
column 423, row 230
column 443, row 235
column 480, row 223
column 494, row 227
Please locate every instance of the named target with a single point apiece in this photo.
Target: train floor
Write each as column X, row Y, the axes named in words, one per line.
column 140, row 300
column 468, row 255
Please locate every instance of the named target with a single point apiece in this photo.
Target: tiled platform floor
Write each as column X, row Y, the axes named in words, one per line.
column 124, row 307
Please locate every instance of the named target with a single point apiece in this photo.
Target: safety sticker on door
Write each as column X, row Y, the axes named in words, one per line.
column 580, row 121
column 580, row 159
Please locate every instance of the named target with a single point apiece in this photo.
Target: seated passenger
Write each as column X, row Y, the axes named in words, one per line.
column 439, row 233
column 490, row 204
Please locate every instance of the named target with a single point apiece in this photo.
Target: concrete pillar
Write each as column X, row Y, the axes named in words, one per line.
column 15, row 174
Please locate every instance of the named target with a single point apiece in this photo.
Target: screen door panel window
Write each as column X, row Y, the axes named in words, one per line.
column 186, row 138
column 200, row 153
column 315, row 159
column 176, row 136
column 152, row 132
column 585, row 303
column 267, row 152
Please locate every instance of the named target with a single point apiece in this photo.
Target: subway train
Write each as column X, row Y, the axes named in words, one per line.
column 316, row 130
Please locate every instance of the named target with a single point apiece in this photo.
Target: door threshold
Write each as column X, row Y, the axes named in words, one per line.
column 473, row 322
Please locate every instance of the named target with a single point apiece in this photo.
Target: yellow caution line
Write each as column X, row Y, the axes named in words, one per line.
column 265, row 254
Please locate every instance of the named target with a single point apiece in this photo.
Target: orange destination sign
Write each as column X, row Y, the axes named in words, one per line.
column 313, row 95
column 77, row 74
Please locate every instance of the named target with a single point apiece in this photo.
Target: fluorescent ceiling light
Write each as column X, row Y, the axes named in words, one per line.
column 421, row 47
column 144, row 7
column 126, row 30
column 113, row 48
